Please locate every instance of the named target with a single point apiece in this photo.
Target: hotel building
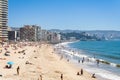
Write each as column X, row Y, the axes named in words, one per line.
column 30, row 33
column 3, row 20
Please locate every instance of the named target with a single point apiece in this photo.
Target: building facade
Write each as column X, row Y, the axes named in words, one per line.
column 52, row 37
column 13, row 34
column 30, row 33
column 44, row 36
column 3, row 20
column 55, row 38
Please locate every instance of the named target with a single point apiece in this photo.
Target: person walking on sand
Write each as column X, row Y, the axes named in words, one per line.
column 18, row 69
column 40, row 77
column 61, row 76
column 81, row 71
column 78, row 73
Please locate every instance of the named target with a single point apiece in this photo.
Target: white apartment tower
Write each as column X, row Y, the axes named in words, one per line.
column 3, row 20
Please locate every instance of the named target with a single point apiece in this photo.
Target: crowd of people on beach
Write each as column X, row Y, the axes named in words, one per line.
column 5, row 49
column 59, row 49
column 6, row 53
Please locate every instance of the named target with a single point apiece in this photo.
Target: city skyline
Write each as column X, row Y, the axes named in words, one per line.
column 66, row 14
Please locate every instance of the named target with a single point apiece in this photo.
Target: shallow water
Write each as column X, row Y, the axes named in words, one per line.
column 106, row 50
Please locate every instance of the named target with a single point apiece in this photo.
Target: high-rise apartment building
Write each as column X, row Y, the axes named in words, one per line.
column 30, row 33
column 3, row 20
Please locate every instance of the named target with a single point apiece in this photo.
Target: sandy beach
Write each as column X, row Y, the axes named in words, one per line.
column 38, row 63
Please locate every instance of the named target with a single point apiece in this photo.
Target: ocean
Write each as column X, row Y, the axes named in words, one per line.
column 107, row 52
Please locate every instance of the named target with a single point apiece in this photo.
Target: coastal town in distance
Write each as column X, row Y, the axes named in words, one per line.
column 51, row 40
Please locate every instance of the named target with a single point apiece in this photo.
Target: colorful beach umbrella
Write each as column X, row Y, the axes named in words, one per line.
column 10, row 62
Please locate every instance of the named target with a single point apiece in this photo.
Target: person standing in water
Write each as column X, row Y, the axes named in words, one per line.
column 78, row 61
column 83, row 60
column 98, row 61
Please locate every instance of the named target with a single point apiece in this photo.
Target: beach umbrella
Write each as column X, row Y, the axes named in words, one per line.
column 10, row 62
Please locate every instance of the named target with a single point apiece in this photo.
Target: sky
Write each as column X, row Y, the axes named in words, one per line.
column 65, row 14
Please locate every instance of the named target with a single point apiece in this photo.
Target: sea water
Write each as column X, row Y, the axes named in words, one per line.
column 107, row 51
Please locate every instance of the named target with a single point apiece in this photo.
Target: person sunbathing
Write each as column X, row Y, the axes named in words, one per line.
column 28, row 63
column 7, row 54
column 8, row 66
column 93, row 75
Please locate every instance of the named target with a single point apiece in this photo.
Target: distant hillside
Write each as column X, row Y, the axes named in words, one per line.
column 110, row 34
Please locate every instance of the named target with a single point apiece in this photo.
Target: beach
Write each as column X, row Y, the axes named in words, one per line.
column 38, row 62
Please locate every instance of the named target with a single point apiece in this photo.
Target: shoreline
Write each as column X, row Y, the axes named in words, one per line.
column 101, row 76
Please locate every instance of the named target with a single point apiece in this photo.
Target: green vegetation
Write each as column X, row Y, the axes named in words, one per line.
column 83, row 36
